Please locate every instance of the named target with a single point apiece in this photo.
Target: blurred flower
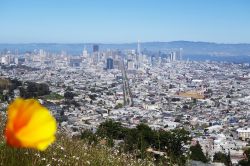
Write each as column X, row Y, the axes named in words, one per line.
column 62, row 148
column 37, row 154
column 29, row 125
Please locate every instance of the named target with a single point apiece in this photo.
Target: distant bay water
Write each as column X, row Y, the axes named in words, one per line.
column 198, row 51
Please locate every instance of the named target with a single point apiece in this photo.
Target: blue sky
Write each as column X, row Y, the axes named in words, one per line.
column 120, row 21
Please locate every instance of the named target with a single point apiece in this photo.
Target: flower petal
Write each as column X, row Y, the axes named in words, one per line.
column 40, row 127
column 29, row 125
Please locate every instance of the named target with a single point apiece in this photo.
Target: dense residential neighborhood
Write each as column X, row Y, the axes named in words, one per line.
column 210, row 100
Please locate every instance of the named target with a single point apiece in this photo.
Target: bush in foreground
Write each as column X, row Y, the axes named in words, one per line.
column 68, row 152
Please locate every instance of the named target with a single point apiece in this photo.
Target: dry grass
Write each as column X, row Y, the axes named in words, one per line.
column 68, row 152
column 4, row 83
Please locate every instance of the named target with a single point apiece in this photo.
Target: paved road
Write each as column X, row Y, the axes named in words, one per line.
column 127, row 95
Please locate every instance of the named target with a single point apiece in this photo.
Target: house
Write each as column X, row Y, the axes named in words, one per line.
column 244, row 133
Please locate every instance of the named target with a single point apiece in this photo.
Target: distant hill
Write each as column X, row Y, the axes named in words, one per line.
column 203, row 48
column 189, row 47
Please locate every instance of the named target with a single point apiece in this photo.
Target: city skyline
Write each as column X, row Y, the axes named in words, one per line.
column 127, row 21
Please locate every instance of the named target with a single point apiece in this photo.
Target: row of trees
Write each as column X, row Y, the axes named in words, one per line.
column 34, row 90
column 27, row 89
column 171, row 143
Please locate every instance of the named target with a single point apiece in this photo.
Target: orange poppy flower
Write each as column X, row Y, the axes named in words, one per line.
column 29, row 125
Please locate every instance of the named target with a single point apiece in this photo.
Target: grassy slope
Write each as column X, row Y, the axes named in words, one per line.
column 65, row 151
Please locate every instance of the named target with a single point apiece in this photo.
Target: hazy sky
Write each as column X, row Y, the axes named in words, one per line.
column 118, row 21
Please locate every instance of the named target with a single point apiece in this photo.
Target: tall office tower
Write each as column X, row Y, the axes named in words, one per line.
column 181, row 49
column 178, row 54
column 117, row 64
column 138, row 55
column 172, row 56
column 85, row 53
column 41, row 52
column 110, row 63
column 19, row 61
column 138, row 48
column 131, row 65
column 95, row 48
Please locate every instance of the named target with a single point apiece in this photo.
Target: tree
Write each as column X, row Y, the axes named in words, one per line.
column 246, row 161
column 15, row 83
column 130, row 140
column 119, row 105
column 145, row 138
column 175, row 99
column 34, row 90
column 111, row 130
column 92, row 96
column 172, row 143
column 137, row 140
column 222, row 158
column 89, row 136
column 197, row 153
column 69, row 95
column 43, row 89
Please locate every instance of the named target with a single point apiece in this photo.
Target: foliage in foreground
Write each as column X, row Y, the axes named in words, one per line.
column 66, row 152
column 223, row 158
column 246, row 161
column 138, row 140
column 197, row 153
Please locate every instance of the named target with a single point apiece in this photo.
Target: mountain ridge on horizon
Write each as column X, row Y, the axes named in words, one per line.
column 189, row 47
column 121, row 43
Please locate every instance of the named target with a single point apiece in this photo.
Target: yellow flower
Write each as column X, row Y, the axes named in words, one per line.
column 29, row 125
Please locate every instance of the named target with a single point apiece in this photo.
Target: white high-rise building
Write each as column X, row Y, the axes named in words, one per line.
column 131, row 65
column 138, row 48
column 180, row 58
column 5, row 60
column 84, row 53
column 172, row 56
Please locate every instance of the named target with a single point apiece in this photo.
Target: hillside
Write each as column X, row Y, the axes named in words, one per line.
column 67, row 152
